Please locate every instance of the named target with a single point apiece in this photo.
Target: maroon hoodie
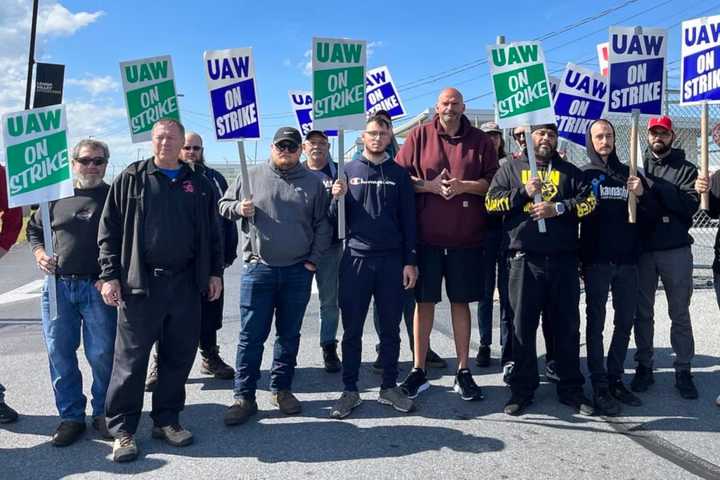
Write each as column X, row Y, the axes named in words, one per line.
column 469, row 155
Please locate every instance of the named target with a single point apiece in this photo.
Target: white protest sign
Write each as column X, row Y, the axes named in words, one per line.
column 700, row 64
column 302, row 104
column 381, row 93
column 580, row 100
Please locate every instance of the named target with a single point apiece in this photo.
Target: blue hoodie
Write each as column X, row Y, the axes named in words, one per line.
column 379, row 209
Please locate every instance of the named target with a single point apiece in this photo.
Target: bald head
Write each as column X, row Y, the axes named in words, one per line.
column 192, row 151
column 450, row 108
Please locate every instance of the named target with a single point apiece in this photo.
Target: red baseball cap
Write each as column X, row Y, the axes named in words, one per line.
column 662, row 122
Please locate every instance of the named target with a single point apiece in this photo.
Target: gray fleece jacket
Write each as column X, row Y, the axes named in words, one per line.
column 290, row 220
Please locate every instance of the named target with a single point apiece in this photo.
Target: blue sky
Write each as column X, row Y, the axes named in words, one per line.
column 421, row 42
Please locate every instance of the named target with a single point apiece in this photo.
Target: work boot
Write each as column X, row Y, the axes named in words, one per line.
column 152, row 378
column 213, row 365
column 330, row 358
column 67, row 433
column 397, row 399
column 124, row 448
column 345, row 404
column 100, row 425
column 174, row 435
column 7, row 414
column 286, row 402
column 642, row 380
column 240, row 411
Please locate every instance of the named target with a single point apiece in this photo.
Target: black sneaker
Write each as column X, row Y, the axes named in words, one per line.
column 684, row 383
column 483, row 356
column 642, row 380
column 67, row 433
column 605, row 403
column 623, row 395
column 551, row 372
column 415, row 383
column 433, row 360
column 330, row 358
column 517, row 404
column 377, row 366
column 7, row 414
column 466, row 387
column 579, row 402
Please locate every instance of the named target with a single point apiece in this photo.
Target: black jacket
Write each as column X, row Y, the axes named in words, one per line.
column 714, row 212
column 228, row 228
column 565, row 184
column 671, row 180
column 120, row 236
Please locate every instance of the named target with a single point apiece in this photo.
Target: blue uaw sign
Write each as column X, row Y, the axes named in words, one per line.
column 233, row 98
column 700, row 68
column 580, row 100
column 637, row 68
column 381, row 94
column 302, row 104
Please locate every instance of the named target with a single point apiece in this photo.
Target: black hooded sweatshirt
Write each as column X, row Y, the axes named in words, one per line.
column 606, row 236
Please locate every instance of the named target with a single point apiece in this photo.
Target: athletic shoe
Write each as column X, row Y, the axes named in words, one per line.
column 483, row 356
column 396, row 398
column 551, row 371
column 124, row 448
column 579, row 402
column 415, row 383
column 507, row 371
column 7, row 414
column 623, row 395
column 466, row 387
column 345, row 404
column 174, row 435
column 517, row 404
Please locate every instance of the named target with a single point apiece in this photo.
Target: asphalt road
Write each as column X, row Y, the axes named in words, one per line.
column 667, row 438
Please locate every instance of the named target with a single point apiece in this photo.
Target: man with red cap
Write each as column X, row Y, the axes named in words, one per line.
column 666, row 255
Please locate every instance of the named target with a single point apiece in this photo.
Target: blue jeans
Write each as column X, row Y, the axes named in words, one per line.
column 326, row 278
column 266, row 291
column 79, row 308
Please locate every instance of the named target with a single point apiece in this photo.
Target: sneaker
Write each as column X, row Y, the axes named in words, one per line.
column 100, row 425
column 623, row 395
column 330, row 358
column 396, row 398
column 67, row 433
column 415, row 383
column 642, row 380
column 517, row 404
column 377, row 366
column 345, row 404
column 7, row 414
column 433, row 360
column 507, row 371
column 240, row 411
column 466, row 387
column 579, row 402
column 213, row 364
column 551, row 371
column 286, row 402
column 124, row 448
column 717, row 401
column 605, row 403
column 152, row 378
column 483, row 356
column 684, row 383
column 174, row 435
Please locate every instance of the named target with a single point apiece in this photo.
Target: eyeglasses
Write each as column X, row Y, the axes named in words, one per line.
column 377, row 134
column 287, row 147
column 518, row 135
column 97, row 161
column 192, row 148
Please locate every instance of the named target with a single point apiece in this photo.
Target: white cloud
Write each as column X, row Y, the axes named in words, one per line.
column 95, row 85
column 371, row 46
column 58, row 20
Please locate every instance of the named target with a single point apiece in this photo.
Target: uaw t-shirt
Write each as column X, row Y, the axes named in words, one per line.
column 328, row 175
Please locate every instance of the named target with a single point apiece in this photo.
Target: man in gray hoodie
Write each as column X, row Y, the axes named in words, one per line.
column 286, row 213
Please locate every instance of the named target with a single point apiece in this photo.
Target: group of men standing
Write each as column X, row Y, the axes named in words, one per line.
column 447, row 206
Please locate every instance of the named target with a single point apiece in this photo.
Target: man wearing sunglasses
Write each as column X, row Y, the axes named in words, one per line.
column 287, row 205
column 80, row 308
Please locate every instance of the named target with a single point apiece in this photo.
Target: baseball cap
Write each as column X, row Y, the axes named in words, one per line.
column 662, row 122
column 548, row 126
column 289, row 134
column 490, row 127
column 316, row 132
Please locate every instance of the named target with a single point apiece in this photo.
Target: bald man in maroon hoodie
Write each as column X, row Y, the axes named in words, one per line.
column 451, row 164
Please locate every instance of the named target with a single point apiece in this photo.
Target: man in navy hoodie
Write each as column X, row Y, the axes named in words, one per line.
column 379, row 262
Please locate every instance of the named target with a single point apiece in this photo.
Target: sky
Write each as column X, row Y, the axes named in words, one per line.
column 426, row 45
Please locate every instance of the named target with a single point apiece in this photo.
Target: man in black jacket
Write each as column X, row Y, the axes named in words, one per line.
column 160, row 250
column 667, row 255
column 609, row 250
column 543, row 266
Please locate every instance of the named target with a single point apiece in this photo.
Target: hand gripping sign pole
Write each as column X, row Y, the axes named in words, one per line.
column 632, row 199
column 534, row 172
column 341, row 174
column 247, row 194
column 704, row 150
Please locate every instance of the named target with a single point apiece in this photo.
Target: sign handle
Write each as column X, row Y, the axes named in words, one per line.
column 704, row 153
column 247, row 194
column 50, row 251
column 534, row 172
column 341, row 174
column 632, row 200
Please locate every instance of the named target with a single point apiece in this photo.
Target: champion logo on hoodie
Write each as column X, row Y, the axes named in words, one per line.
column 362, row 181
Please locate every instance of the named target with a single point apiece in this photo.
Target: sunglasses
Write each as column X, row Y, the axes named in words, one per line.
column 287, row 147
column 97, row 161
column 192, row 148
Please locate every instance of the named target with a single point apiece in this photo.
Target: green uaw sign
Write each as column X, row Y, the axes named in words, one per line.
column 149, row 86
column 38, row 166
column 520, row 82
column 338, row 83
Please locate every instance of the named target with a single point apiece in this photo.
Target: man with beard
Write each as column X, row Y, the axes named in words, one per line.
column 379, row 262
column 609, row 250
column 543, row 266
column 667, row 255
column 80, row 308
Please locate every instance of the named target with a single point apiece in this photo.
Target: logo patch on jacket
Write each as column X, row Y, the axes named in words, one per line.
column 188, row 187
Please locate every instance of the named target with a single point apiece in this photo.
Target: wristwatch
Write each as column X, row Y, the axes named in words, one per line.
column 559, row 208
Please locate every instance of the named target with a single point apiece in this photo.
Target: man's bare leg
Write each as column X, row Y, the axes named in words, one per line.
column 422, row 326
column 460, row 314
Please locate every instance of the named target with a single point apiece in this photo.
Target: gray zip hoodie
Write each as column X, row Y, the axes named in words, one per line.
column 290, row 214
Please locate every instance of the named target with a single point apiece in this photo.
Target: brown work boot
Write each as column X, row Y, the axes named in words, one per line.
column 240, row 411
column 286, row 402
column 213, row 365
column 174, row 435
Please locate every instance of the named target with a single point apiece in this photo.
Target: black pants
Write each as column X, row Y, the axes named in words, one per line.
column 623, row 281
column 550, row 284
column 168, row 314
column 211, row 315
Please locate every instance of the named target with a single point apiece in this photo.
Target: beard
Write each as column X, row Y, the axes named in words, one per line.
column 544, row 152
column 660, row 150
column 87, row 181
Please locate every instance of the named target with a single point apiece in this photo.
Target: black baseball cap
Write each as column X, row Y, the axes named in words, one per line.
column 287, row 134
column 316, row 132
